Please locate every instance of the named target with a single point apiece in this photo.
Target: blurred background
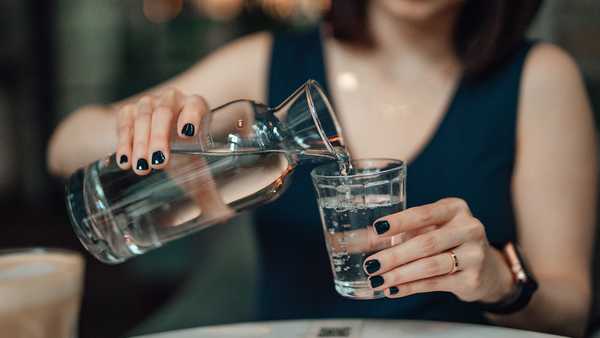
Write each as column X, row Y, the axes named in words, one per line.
column 57, row 55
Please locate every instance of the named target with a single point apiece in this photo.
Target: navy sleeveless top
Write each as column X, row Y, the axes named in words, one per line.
column 471, row 156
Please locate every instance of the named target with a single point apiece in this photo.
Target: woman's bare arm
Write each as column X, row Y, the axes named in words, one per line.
column 554, row 191
column 238, row 70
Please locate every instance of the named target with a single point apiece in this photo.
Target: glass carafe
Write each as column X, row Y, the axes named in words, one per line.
column 240, row 158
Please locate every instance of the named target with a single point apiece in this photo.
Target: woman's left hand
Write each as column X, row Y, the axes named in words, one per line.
column 424, row 263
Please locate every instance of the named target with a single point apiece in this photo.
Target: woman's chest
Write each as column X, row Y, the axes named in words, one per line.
column 388, row 121
column 387, row 115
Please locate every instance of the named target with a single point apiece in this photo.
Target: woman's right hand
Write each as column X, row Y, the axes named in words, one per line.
column 145, row 128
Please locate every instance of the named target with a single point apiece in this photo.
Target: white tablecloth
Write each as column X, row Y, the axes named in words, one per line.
column 349, row 329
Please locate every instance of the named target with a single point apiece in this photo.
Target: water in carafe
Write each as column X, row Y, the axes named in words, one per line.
column 241, row 158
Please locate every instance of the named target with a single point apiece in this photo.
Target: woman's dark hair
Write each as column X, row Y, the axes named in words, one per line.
column 485, row 33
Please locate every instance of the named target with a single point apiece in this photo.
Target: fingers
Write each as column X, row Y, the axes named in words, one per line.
column 432, row 274
column 436, row 213
column 188, row 122
column 437, row 265
column 421, row 246
column 159, row 137
column 160, row 134
column 141, row 136
column 448, row 283
column 168, row 107
column 145, row 128
column 125, row 120
column 423, row 263
column 424, row 268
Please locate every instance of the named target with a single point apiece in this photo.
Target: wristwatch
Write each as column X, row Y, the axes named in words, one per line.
column 525, row 284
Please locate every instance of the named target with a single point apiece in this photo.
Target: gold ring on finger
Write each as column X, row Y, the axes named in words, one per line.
column 453, row 262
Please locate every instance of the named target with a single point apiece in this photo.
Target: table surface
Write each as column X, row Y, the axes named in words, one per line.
column 348, row 329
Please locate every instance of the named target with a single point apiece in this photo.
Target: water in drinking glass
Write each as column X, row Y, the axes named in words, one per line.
column 347, row 225
column 349, row 204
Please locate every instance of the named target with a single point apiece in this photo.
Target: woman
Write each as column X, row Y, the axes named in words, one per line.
column 497, row 131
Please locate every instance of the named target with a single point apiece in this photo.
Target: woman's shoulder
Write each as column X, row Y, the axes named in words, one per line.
column 553, row 99
column 551, row 74
column 548, row 65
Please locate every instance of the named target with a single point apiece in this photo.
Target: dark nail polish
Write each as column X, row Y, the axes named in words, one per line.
column 393, row 290
column 371, row 266
column 158, row 157
column 123, row 159
column 381, row 227
column 142, row 165
column 376, row 281
column 188, row 129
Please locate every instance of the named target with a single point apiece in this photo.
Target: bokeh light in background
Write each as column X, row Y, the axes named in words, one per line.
column 160, row 11
column 280, row 9
column 314, row 9
column 220, row 9
column 291, row 11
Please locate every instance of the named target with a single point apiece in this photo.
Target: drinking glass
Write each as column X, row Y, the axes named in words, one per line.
column 40, row 292
column 349, row 204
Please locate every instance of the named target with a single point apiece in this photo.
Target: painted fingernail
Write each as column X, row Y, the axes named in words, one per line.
column 381, row 227
column 158, row 157
column 142, row 164
column 123, row 159
column 393, row 290
column 371, row 266
column 376, row 281
column 188, row 129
